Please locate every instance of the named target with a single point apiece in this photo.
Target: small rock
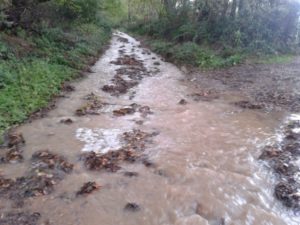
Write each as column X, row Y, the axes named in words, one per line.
column 148, row 163
column 130, row 174
column 88, row 188
column 182, row 102
column 132, row 207
column 66, row 121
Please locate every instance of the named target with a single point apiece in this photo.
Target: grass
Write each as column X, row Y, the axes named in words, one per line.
column 274, row 59
column 189, row 53
column 33, row 67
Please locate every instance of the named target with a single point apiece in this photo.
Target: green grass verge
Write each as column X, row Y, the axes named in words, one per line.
column 33, row 67
column 189, row 53
column 274, row 59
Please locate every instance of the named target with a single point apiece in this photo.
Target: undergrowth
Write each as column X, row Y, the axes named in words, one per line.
column 33, row 66
column 192, row 54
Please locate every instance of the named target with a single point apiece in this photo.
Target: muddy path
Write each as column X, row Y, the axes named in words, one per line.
column 137, row 142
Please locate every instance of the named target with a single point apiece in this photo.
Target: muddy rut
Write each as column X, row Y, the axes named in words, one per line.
column 134, row 143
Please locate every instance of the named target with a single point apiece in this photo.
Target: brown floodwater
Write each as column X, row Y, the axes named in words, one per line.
column 206, row 168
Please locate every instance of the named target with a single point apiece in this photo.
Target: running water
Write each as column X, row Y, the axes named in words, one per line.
column 205, row 154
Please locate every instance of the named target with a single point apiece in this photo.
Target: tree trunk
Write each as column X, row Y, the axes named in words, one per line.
column 233, row 9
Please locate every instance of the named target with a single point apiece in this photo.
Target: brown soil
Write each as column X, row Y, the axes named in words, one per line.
column 268, row 86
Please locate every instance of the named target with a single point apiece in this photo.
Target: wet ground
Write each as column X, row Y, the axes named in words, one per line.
column 140, row 142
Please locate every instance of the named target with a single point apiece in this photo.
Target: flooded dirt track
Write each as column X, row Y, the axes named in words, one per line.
column 135, row 143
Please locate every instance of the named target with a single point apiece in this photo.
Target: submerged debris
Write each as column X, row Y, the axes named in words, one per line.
column 131, row 151
column 206, row 95
column 122, row 39
column 14, row 138
column 119, row 86
column 109, row 161
column 182, row 102
column 132, row 207
column 88, row 188
column 67, row 87
column 47, row 160
column 92, row 107
column 130, row 174
column 47, row 170
column 133, row 72
column 11, row 151
column 248, row 105
column 19, row 218
column 127, row 60
column 133, row 108
column 284, row 161
column 127, row 76
column 67, row 121
column 124, row 111
column 11, row 155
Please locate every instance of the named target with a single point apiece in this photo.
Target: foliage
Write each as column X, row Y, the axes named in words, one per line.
column 192, row 54
column 252, row 26
column 44, row 48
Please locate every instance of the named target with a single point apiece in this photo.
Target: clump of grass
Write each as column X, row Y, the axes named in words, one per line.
column 274, row 59
column 190, row 53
